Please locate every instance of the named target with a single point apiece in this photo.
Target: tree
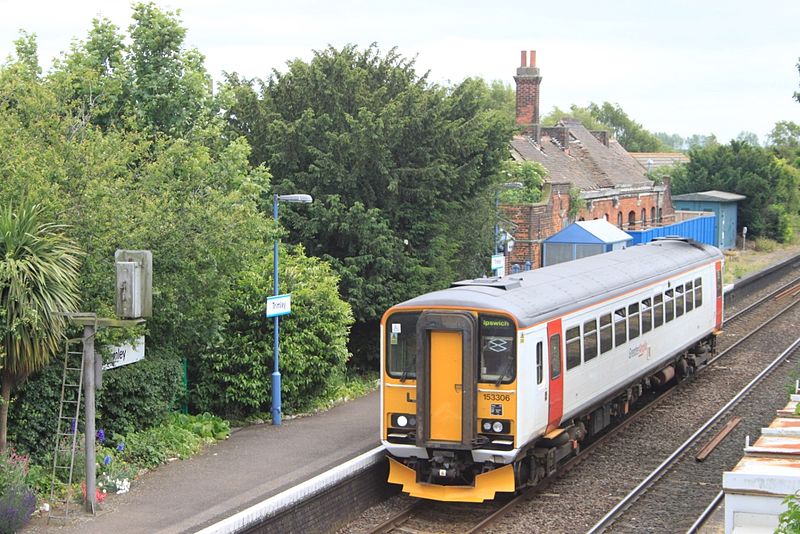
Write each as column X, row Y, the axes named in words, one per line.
column 589, row 121
column 749, row 138
column 630, row 134
column 771, row 186
column 400, row 170
column 797, row 93
column 674, row 141
column 38, row 284
column 784, row 141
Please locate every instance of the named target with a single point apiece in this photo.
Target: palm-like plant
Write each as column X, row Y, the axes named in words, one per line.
column 38, row 282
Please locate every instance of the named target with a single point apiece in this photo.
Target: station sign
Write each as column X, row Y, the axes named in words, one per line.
column 126, row 354
column 279, row 305
column 498, row 264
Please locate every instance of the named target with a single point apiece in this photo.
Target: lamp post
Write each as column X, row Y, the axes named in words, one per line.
column 508, row 185
column 276, row 374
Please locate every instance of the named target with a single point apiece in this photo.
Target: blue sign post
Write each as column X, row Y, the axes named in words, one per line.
column 281, row 303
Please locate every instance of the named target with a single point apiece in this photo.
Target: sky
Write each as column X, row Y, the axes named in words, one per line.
column 686, row 67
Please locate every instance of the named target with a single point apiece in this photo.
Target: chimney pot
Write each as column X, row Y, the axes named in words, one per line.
column 523, row 59
column 533, row 58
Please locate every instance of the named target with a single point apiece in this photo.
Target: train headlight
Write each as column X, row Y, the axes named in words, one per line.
column 404, row 420
column 487, row 426
column 497, row 426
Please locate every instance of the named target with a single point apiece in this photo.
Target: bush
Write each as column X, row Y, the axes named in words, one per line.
column 233, row 378
column 17, row 501
column 17, row 504
column 763, row 244
column 136, row 396
column 33, row 413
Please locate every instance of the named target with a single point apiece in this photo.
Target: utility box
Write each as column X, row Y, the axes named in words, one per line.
column 134, row 290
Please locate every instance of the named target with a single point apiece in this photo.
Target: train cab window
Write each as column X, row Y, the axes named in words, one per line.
column 573, row 347
column 606, row 334
column 401, row 345
column 698, row 292
column 555, row 356
column 647, row 316
column 679, row 301
column 658, row 310
column 689, row 296
column 620, row 327
column 633, row 320
column 497, row 361
column 539, row 363
column 589, row 340
column 669, row 305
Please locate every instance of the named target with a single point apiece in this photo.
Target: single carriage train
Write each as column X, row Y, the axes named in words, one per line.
column 488, row 385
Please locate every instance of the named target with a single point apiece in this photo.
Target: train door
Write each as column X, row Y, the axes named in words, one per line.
column 446, row 383
column 542, row 377
column 554, row 351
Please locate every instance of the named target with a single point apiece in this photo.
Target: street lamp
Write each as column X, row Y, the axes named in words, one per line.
column 508, row 185
column 276, row 374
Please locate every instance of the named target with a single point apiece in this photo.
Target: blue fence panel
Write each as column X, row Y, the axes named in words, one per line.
column 702, row 229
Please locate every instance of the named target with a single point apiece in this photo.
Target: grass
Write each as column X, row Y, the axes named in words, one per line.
column 759, row 255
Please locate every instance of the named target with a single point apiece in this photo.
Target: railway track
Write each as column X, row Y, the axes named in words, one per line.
column 492, row 519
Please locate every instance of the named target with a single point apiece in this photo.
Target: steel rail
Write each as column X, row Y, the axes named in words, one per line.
column 608, row 519
column 702, row 518
column 774, row 294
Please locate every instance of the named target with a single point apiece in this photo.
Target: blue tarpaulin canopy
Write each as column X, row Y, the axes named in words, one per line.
column 581, row 239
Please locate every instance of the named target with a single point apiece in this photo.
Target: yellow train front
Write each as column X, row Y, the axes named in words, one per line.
column 488, row 385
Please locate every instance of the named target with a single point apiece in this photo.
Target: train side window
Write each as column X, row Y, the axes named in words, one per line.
column 606, row 334
column 589, row 340
column 679, row 301
column 698, row 292
column 573, row 347
column 539, row 363
column 658, row 310
column 689, row 296
column 555, row 356
column 620, row 327
column 633, row 320
column 669, row 306
column 647, row 316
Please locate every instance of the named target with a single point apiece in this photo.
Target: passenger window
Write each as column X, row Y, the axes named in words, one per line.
column 633, row 320
column 658, row 310
column 555, row 356
column 573, row 347
column 689, row 296
column 647, row 316
column 606, row 334
column 539, row 363
column 589, row 340
column 669, row 306
column 620, row 327
column 678, row 301
column 698, row 292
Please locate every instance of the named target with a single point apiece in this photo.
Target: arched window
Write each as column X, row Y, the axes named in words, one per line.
column 644, row 217
column 619, row 219
column 653, row 215
column 631, row 220
column 605, row 216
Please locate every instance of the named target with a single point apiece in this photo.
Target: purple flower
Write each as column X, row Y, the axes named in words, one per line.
column 107, row 460
column 73, row 426
column 101, row 435
column 121, row 446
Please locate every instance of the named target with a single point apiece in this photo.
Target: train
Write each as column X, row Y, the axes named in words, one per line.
column 488, row 385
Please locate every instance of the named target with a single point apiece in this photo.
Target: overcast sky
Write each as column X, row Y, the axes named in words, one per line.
column 686, row 67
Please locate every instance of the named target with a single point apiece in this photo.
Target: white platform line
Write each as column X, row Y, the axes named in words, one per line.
column 277, row 503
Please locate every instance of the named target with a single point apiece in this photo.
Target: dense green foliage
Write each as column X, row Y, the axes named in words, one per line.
column 235, row 376
column 528, row 173
column 771, row 185
column 124, row 142
column 17, row 500
column 400, row 170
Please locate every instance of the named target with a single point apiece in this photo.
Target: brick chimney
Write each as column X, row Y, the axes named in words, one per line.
column 528, row 80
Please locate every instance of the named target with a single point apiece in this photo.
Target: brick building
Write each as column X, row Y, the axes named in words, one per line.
column 613, row 184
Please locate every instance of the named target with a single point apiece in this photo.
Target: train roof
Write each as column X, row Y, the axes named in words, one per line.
column 538, row 295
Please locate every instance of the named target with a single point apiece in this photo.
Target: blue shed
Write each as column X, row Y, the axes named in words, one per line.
column 581, row 239
column 724, row 207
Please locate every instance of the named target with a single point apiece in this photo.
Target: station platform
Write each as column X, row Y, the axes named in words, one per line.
column 254, row 464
